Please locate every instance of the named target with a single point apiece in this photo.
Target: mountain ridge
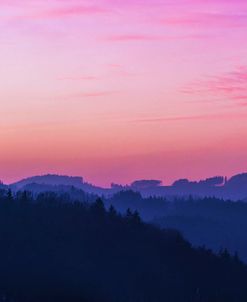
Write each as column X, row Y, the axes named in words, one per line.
column 234, row 188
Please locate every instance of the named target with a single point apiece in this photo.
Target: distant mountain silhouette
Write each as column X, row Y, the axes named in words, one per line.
column 51, row 181
column 235, row 188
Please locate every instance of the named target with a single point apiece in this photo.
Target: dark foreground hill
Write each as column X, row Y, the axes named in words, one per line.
column 209, row 221
column 52, row 250
column 212, row 222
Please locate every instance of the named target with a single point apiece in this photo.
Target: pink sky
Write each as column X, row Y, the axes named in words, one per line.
column 121, row 90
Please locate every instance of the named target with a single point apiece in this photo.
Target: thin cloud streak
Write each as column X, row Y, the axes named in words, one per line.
column 192, row 118
column 95, row 94
column 231, row 86
column 207, row 20
column 63, row 12
column 78, row 78
column 131, row 37
column 151, row 38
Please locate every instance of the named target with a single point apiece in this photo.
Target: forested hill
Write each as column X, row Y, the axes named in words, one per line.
column 53, row 250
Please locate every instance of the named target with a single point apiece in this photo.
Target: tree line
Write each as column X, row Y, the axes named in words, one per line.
column 53, row 249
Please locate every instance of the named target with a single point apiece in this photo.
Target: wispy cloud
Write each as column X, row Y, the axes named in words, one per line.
column 199, row 117
column 78, row 78
column 133, row 37
column 58, row 12
column 147, row 38
column 118, row 70
column 207, row 19
column 93, row 94
column 231, row 86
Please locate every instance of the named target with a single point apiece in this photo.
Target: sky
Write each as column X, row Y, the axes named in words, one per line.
column 118, row 90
